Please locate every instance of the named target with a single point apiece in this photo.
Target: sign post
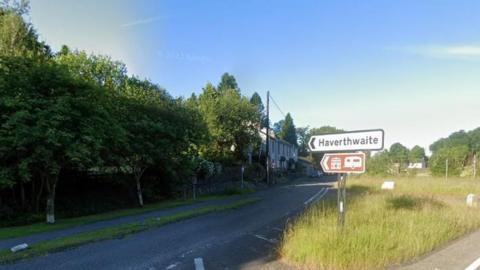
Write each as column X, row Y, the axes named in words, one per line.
column 340, row 157
column 341, row 199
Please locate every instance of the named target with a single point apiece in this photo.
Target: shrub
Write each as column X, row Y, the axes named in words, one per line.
column 456, row 160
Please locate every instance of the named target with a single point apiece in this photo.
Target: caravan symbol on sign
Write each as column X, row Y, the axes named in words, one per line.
column 343, row 163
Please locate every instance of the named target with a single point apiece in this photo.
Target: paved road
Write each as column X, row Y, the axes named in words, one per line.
column 462, row 254
column 39, row 237
column 238, row 239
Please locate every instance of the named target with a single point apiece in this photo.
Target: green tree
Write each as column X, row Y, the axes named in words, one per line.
column 302, row 134
column 232, row 123
column 17, row 37
column 379, row 164
column 256, row 100
column 49, row 122
column 459, row 138
column 399, row 153
column 474, row 136
column 399, row 156
column 228, row 82
column 278, row 126
column 288, row 131
column 456, row 155
column 100, row 70
column 162, row 131
column 416, row 154
column 324, row 130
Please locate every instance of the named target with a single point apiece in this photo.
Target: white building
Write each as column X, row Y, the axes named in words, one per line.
column 417, row 165
column 280, row 150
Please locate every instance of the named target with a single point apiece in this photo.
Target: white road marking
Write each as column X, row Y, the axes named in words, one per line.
column 277, row 229
column 198, row 264
column 171, row 266
column 271, row 241
column 319, row 194
column 474, row 265
column 323, row 195
column 309, row 185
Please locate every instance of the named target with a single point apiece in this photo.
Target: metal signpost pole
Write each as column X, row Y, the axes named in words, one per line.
column 341, row 199
column 342, row 156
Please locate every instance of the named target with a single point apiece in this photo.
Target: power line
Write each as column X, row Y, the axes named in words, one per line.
column 276, row 105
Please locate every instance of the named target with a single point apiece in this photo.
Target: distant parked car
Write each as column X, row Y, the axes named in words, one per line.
column 315, row 174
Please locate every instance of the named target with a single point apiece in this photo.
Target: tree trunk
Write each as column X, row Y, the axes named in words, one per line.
column 138, row 176
column 14, row 195
column 50, row 210
column 32, row 195
column 22, row 195
column 39, row 194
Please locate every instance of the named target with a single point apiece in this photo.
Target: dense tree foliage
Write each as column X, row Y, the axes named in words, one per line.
column 460, row 148
column 49, row 121
column 17, row 37
column 379, row 164
column 417, row 154
column 456, row 151
column 277, row 127
column 256, row 101
column 228, row 82
column 399, row 153
column 288, row 131
column 72, row 113
column 232, row 121
column 302, row 140
column 456, row 157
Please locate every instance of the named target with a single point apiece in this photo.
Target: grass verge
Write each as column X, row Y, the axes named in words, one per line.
column 383, row 228
column 119, row 231
column 19, row 231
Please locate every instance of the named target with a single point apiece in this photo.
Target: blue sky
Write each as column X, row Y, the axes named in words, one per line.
column 409, row 67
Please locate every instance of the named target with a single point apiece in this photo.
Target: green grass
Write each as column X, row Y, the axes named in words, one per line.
column 383, row 228
column 119, row 231
column 18, row 231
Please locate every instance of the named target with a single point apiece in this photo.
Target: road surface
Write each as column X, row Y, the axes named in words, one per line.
column 243, row 238
column 462, row 254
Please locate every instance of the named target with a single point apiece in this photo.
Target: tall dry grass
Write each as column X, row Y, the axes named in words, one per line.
column 383, row 228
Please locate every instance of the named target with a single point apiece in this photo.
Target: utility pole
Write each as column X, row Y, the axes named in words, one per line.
column 475, row 165
column 446, row 169
column 267, row 148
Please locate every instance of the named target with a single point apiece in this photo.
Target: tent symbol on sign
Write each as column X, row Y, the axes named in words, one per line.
column 336, row 164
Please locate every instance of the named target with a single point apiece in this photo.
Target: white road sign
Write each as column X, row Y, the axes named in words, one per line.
column 348, row 141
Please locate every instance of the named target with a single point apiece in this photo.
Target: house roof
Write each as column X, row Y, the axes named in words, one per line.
column 273, row 137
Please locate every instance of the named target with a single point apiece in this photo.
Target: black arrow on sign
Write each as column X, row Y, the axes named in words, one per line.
column 312, row 146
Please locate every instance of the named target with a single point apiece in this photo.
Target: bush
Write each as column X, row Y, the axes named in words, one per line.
column 456, row 160
column 255, row 172
column 379, row 164
column 204, row 168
